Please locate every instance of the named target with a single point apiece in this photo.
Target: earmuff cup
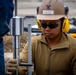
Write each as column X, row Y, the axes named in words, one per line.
column 38, row 24
column 65, row 26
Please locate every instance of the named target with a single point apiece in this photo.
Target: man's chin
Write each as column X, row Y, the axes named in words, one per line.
column 50, row 37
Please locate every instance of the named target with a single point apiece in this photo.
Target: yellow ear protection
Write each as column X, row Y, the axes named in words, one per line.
column 65, row 26
column 38, row 21
column 38, row 24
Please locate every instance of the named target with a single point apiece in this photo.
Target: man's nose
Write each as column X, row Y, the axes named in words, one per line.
column 47, row 28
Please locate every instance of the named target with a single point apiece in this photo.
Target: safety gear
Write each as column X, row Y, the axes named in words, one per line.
column 11, row 66
column 51, row 10
column 50, row 25
column 65, row 25
column 39, row 25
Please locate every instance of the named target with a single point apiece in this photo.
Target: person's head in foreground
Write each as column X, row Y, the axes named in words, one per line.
column 51, row 18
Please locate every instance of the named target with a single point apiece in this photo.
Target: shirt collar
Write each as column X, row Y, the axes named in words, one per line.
column 62, row 44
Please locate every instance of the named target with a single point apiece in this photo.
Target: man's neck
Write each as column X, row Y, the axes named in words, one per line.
column 53, row 41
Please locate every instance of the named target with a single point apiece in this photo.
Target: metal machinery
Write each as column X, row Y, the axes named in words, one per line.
column 17, row 28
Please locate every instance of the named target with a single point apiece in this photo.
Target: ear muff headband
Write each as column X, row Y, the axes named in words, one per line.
column 66, row 25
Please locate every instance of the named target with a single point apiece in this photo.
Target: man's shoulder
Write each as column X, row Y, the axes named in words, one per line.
column 36, row 37
column 72, row 40
column 35, row 40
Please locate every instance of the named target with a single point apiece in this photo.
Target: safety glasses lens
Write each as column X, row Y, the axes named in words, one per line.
column 50, row 25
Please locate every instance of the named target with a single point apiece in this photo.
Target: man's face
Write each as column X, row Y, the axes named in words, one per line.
column 51, row 29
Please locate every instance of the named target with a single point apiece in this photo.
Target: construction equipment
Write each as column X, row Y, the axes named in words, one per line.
column 17, row 28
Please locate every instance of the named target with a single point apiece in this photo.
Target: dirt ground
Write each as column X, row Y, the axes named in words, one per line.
column 8, row 42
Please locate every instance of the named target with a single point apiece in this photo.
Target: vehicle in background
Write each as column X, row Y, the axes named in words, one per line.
column 72, row 31
column 34, row 30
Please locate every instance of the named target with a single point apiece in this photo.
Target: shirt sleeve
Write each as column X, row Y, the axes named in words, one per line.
column 24, row 55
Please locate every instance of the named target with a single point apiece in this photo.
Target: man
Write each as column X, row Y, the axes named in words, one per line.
column 5, row 17
column 53, row 52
